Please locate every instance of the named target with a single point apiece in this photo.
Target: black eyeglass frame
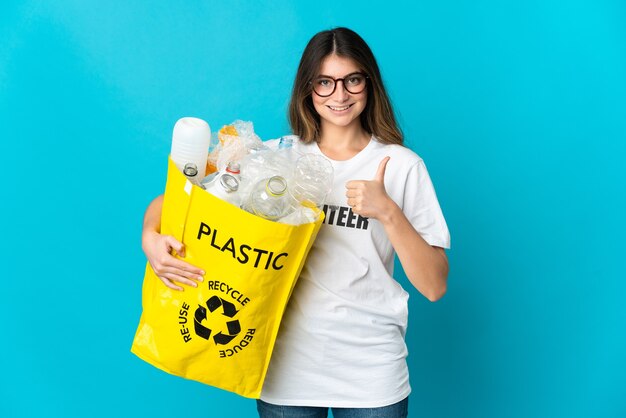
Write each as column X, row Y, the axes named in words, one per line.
column 335, row 80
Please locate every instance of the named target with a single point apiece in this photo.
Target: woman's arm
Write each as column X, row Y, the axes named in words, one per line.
column 425, row 266
column 159, row 248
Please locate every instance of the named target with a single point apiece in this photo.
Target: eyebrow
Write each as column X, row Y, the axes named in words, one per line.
column 335, row 78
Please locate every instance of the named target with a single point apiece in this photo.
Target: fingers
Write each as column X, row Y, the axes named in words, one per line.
column 160, row 251
column 355, row 204
column 172, row 268
column 169, row 284
column 354, row 192
column 369, row 197
column 353, row 184
column 169, row 275
column 181, row 275
column 380, row 173
column 170, row 280
column 166, row 259
column 176, row 245
column 355, row 195
column 185, row 268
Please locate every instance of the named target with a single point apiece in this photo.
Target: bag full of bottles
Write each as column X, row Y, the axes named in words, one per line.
column 248, row 215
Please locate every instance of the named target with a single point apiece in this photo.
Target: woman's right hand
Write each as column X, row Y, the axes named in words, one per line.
column 158, row 249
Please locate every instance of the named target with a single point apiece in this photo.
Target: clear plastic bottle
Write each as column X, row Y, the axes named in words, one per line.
column 312, row 180
column 287, row 149
column 225, row 186
column 269, row 198
column 258, row 164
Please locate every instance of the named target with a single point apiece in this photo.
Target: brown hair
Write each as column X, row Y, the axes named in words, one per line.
column 377, row 118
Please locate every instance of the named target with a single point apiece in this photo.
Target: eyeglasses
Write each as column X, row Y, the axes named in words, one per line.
column 325, row 86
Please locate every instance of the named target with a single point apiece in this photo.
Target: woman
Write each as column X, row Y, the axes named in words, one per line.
column 341, row 343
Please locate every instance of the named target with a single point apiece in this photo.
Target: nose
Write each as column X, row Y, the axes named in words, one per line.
column 340, row 94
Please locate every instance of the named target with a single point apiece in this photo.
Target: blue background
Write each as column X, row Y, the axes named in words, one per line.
column 518, row 108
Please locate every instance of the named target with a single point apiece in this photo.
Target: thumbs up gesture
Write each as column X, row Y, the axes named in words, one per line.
column 369, row 198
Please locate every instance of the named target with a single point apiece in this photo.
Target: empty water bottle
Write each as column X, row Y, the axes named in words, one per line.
column 225, row 186
column 287, row 149
column 260, row 163
column 312, row 180
column 269, row 198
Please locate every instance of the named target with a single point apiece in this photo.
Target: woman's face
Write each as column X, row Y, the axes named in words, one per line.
column 340, row 108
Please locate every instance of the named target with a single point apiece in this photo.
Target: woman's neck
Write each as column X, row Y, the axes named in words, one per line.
column 342, row 142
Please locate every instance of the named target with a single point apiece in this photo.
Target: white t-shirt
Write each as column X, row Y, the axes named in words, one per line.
column 341, row 342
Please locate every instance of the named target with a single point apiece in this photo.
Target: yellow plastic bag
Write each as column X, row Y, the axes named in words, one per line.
column 221, row 333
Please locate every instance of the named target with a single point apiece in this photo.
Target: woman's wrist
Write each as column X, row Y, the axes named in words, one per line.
column 147, row 236
column 390, row 214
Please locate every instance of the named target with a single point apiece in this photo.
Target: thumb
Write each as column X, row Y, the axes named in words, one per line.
column 176, row 245
column 380, row 173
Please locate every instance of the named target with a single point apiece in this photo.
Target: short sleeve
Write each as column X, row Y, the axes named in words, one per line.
column 422, row 209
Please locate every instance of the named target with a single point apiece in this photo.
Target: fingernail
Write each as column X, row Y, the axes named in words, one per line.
column 200, row 278
column 202, row 272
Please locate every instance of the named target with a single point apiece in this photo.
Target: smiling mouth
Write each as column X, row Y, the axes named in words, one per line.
column 340, row 108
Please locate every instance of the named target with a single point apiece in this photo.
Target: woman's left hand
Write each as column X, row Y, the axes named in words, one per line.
column 369, row 198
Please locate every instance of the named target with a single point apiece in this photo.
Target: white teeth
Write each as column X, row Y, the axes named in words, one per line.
column 339, row 108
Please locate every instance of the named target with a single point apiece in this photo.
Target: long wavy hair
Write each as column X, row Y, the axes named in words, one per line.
column 377, row 118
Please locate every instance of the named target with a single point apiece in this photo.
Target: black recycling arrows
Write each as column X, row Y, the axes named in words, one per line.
column 200, row 329
column 233, row 329
column 228, row 310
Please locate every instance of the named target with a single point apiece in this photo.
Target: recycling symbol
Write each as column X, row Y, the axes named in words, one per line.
column 228, row 310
